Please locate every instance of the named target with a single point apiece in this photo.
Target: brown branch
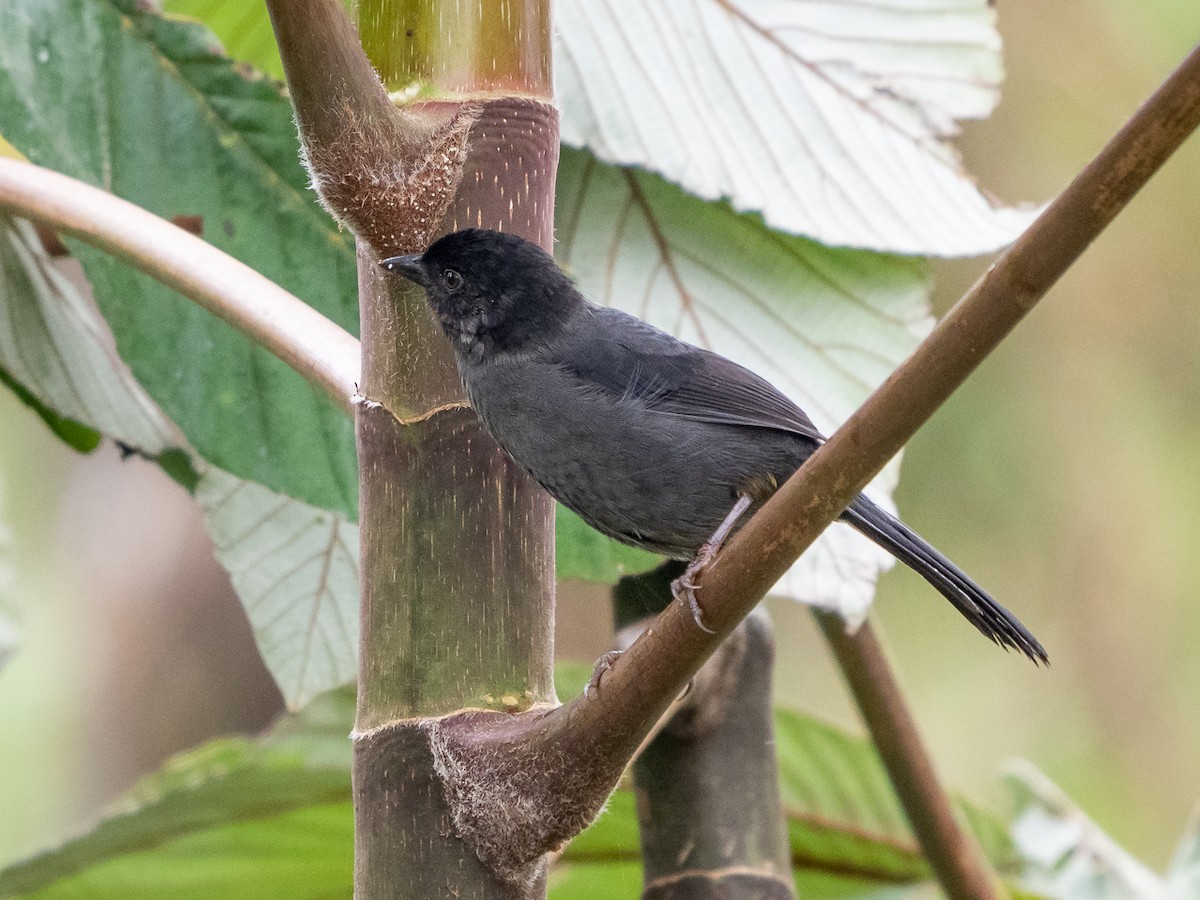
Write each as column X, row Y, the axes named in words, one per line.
column 791, row 520
column 668, row 654
column 955, row 857
column 315, row 347
column 390, row 174
column 596, row 733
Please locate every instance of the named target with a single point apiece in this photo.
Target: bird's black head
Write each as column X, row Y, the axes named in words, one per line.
column 492, row 292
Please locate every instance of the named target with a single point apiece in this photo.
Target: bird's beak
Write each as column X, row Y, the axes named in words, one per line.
column 408, row 266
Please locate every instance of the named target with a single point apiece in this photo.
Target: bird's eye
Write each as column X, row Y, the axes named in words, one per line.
column 452, row 279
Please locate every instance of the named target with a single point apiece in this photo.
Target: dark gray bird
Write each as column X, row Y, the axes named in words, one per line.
column 652, row 441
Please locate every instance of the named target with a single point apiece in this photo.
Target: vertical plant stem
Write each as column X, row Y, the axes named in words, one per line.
column 709, row 807
column 457, row 542
column 459, row 48
column 954, row 855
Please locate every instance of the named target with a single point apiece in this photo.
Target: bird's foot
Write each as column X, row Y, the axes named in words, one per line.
column 603, row 664
column 684, row 587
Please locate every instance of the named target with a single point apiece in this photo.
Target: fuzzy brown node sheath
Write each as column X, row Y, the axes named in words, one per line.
column 393, row 191
column 400, row 845
column 515, row 790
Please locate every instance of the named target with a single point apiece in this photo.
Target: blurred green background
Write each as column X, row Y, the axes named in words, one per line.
column 1065, row 477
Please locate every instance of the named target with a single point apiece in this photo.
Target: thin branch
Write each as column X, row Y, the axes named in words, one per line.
column 605, row 727
column 311, row 344
column 954, row 855
column 791, row 520
column 329, row 77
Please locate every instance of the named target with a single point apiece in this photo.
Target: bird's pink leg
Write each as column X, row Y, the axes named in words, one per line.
column 684, row 587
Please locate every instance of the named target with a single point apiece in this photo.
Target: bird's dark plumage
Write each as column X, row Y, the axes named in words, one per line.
column 649, row 439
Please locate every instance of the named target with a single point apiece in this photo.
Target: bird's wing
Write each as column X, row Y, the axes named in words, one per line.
column 636, row 361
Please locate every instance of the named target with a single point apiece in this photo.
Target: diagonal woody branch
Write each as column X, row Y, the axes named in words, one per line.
column 822, row 488
column 603, row 729
column 758, row 555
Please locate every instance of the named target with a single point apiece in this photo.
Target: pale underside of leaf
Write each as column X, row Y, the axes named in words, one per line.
column 824, row 325
column 1183, row 875
column 55, row 343
column 1066, row 854
column 833, row 785
column 295, row 567
column 829, row 117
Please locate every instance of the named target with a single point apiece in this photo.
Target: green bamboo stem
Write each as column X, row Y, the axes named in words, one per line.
column 423, row 49
column 457, row 543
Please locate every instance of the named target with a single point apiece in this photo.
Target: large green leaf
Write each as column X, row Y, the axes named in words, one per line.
column 244, row 29
column 233, row 402
column 839, row 804
column 236, row 818
column 148, row 108
column 843, row 815
column 303, row 853
column 242, row 813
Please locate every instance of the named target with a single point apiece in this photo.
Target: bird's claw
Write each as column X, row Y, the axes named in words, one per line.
column 603, row 664
column 684, row 588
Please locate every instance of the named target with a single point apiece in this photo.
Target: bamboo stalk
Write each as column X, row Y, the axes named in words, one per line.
column 457, row 542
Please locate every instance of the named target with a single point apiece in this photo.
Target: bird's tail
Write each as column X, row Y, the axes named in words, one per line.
column 996, row 622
